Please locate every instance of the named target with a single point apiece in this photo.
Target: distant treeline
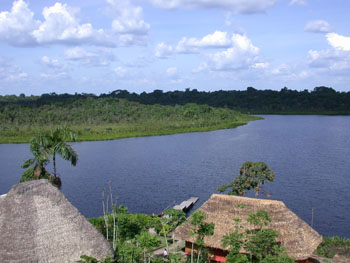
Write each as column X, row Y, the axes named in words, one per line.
column 321, row 100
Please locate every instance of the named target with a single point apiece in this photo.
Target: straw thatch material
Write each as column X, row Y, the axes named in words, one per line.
column 38, row 224
column 298, row 237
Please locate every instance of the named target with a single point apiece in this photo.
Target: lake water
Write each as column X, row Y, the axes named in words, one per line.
column 310, row 156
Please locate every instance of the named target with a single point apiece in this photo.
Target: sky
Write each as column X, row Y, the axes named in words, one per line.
column 97, row 46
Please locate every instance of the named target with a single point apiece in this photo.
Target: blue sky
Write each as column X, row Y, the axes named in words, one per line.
column 96, row 46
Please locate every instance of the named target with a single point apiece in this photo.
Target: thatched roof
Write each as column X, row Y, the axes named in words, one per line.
column 38, row 224
column 298, row 237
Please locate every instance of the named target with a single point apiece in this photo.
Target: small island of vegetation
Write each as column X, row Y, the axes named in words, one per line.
column 104, row 118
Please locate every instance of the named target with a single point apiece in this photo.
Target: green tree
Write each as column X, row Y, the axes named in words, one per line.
column 57, row 143
column 147, row 242
column 260, row 242
column 39, row 160
column 200, row 229
column 252, row 175
column 49, row 144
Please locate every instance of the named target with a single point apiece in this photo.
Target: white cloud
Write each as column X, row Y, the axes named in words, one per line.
column 335, row 60
column 242, row 54
column 332, row 59
column 61, row 26
column 120, row 72
column 163, row 50
column 53, row 68
column 16, row 25
column 101, row 57
column 218, row 39
column 128, row 18
column 338, row 41
column 260, row 65
column 298, row 2
column 10, row 72
column 318, row 26
column 235, row 6
column 51, row 63
column 203, row 66
column 128, row 22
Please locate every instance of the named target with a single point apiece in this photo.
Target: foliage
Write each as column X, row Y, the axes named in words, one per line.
column 56, row 142
column 45, row 145
column 175, row 217
column 29, row 174
column 88, row 259
column 147, row 243
column 260, row 242
column 129, row 225
column 321, row 100
column 332, row 245
column 39, row 160
column 252, row 175
column 200, row 229
column 128, row 252
column 102, row 118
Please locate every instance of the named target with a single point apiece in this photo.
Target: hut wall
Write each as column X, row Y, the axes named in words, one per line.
column 215, row 254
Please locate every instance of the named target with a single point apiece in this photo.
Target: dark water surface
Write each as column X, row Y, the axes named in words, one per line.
column 310, row 156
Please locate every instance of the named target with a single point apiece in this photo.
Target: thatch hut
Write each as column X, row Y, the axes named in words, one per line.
column 297, row 236
column 38, row 224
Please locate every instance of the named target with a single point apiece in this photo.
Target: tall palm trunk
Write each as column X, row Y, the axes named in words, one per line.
column 54, row 164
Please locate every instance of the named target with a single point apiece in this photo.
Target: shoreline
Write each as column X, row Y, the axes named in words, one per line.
column 86, row 136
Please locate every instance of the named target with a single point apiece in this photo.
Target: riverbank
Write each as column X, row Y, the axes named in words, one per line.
column 113, row 132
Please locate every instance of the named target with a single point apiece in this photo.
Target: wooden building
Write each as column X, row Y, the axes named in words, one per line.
column 299, row 239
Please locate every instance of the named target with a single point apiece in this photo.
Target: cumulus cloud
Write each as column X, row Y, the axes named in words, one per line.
column 218, row 39
column 335, row 59
column 235, row 6
column 242, row 54
column 101, row 57
column 61, row 25
column 317, row 26
column 338, row 41
column 163, row 50
column 331, row 59
column 128, row 18
column 53, row 68
column 298, row 2
column 128, row 22
column 239, row 51
column 16, row 26
column 50, row 62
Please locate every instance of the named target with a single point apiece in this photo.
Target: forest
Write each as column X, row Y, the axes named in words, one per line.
column 321, row 100
column 102, row 118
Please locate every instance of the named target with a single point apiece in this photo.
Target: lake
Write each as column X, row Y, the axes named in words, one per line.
column 310, row 156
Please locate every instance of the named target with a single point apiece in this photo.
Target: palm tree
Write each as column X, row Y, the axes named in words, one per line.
column 58, row 144
column 40, row 159
column 49, row 144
